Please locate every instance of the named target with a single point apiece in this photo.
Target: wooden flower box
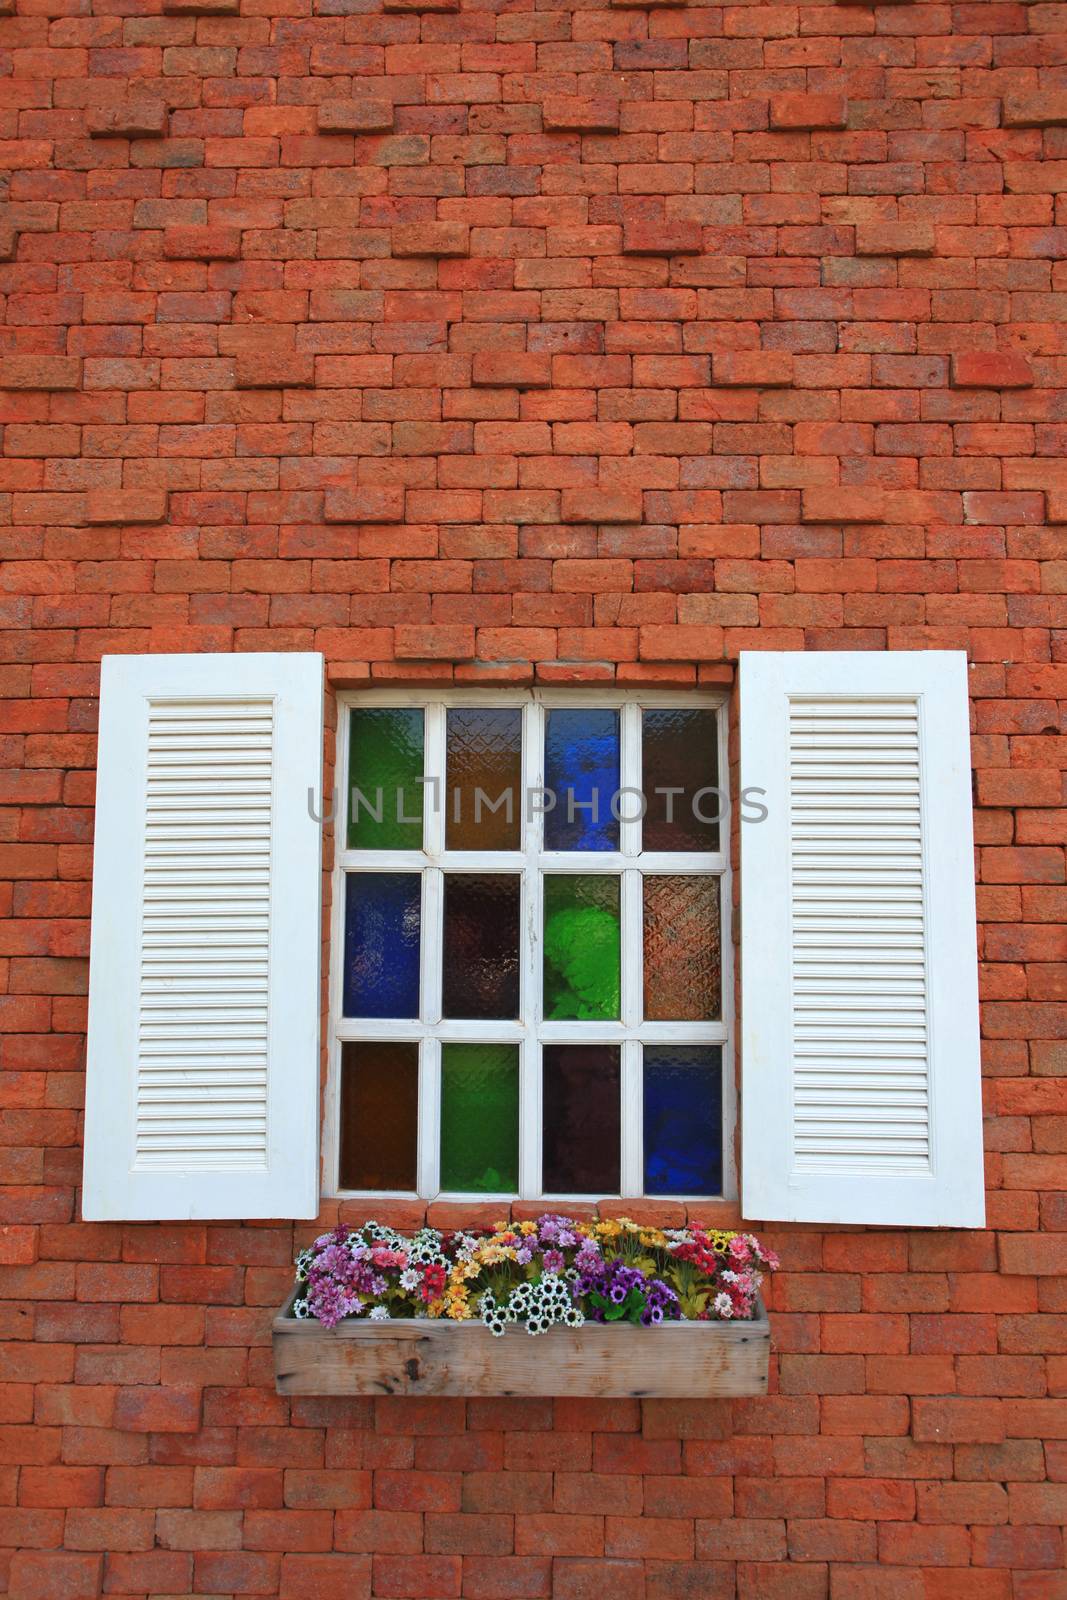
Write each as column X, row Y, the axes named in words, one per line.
column 677, row 1360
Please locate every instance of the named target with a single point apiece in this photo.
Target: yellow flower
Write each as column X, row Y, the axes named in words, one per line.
column 527, row 1228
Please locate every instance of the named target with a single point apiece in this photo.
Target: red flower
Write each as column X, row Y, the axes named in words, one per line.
column 433, row 1283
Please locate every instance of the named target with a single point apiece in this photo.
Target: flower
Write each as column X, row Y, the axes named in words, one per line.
column 557, row 1271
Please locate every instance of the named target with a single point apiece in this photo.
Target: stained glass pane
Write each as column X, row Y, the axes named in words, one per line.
column 484, row 777
column 681, row 938
column 481, row 946
column 680, row 759
column 379, row 1115
column 382, row 921
column 582, row 771
column 480, row 1118
column 580, row 1135
column 384, row 766
column 581, row 947
column 683, row 1119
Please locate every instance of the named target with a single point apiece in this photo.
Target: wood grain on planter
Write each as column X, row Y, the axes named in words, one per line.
column 678, row 1360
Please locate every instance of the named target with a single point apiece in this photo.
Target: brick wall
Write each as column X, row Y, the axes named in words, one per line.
column 490, row 342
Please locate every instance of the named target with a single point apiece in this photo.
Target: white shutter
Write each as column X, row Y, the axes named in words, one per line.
column 202, row 1093
column 861, row 1086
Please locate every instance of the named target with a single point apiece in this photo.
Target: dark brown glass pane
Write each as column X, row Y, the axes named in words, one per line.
column 481, row 945
column 484, row 778
column 680, row 759
column 379, row 1115
column 682, row 954
column 580, row 1136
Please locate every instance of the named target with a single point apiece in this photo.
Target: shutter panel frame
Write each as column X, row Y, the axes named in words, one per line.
column 948, row 1189
column 155, row 1035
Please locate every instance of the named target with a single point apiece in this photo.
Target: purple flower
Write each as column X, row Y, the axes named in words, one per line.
column 553, row 1261
column 328, row 1303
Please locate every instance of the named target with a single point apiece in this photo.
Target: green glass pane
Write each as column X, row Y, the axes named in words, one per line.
column 581, row 947
column 480, row 1118
column 384, row 766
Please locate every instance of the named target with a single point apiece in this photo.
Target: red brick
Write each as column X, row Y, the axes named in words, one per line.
column 128, row 119
column 329, row 1577
column 125, row 506
column 601, row 505
column 565, row 112
column 763, row 369
column 662, row 238
column 431, row 239
column 791, row 111
column 989, row 369
column 842, row 505
column 958, row 1421
column 894, row 239
column 1034, row 110
column 355, row 116
column 266, row 370
column 195, row 243
column 18, row 1245
column 54, row 1575
column 416, row 1577
column 40, row 372
column 364, row 505
column 511, row 369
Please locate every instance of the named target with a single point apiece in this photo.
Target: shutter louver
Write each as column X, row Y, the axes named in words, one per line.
column 203, row 1068
column 205, row 967
column 860, row 1053
column 859, row 964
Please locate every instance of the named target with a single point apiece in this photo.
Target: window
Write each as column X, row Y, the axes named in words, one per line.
column 534, row 1001
column 530, row 991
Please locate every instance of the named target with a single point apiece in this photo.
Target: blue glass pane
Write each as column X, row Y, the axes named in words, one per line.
column 582, row 771
column 683, row 1119
column 382, row 923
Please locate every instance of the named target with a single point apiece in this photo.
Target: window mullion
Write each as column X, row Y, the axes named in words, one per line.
column 429, row 1148
column 530, row 946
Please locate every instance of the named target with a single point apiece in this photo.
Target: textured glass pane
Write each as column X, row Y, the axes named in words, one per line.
column 680, row 754
column 681, row 937
column 379, row 1115
column 581, row 947
column 384, row 766
column 683, row 1119
column 382, row 923
column 580, row 1136
column 480, row 1118
column 484, row 775
column 582, row 771
column 481, row 948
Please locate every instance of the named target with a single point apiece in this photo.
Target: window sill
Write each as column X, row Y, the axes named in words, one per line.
column 407, row 1215
column 677, row 1360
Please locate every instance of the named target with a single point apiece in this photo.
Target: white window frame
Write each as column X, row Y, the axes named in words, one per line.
column 530, row 861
